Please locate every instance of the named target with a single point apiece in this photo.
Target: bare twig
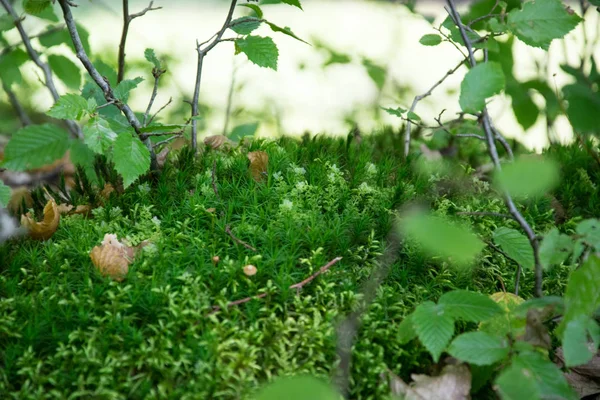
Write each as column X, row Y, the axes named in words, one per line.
column 348, row 328
column 158, row 144
column 202, row 52
column 101, row 82
column 296, row 286
column 35, row 57
column 490, row 138
column 246, row 245
column 127, row 18
column 156, row 73
column 470, row 135
column 14, row 102
column 421, row 97
column 484, row 213
column 159, row 110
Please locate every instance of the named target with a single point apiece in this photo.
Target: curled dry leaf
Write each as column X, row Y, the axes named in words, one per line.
column 250, row 270
column 106, row 191
column 45, row 229
column 112, row 258
column 161, row 157
column 454, row 383
column 259, row 161
column 82, row 209
column 218, row 142
column 64, row 209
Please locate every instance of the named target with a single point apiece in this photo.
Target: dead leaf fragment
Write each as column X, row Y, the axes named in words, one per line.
column 106, row 191
column 250, row 270
column 161, row 157
column 585, row 379
column 19, row 196
column 259, row 161
column 112, row 257
column 45, row 229
column 218, row 142
column 454, row 383
column 64, row 209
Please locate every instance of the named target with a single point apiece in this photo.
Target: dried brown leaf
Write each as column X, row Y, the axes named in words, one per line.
column 44, row 229
column 106, row 191
column 585, row 379
column 64, row 209
column 218, row 142
column 454, row 383
column 112, row 258
column 259, row 162
column 161, row 157
column 536, row 332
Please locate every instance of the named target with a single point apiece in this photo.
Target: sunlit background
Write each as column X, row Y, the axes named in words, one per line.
column 303, row 94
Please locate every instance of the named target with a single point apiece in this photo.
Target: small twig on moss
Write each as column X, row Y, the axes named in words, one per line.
column 484, row 213
column 159, row 110
column 35, row 57
column 246, row 245
column 214, row 179
column 127, row 18
column 296, row 286
column 16, row 104
column 421, row 97
column 491, row 145
column 109, row 95
column 202, row 52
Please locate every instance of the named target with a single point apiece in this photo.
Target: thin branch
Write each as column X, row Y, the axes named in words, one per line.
column 421, row 97
column 159, row 110
column 127, row 18
column 156, row 73
column 519, row 268
column 14, row 102
column 41, row 34
column 202, row 52
column 490, row 138
column 166, row 141
column 35, row 57
column 296, row 286
column 484, row 213
column 101, row 82
column 246, row 245
column 470, row 135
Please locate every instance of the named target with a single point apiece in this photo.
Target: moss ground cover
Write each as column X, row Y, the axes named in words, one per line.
column 66, row 330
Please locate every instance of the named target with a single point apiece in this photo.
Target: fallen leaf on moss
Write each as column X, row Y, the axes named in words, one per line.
column 82, row 209
column 259, row 161
column 112, row 258
column 45, row 229
column 64, row 209
column 161, row 157
column 106, row 191
column 585, row 379
column 218, row 141
column 454, row 383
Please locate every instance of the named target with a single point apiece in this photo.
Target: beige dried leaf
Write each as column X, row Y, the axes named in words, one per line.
column 454, row 383
column 64, row 209
column 44, row 229
column 112, row 258
column 218, row 142
column 259, row 162
column 161, row 157
column 250, row 270
column 106, row 191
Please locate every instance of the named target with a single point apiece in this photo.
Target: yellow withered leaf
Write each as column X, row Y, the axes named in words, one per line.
column 218, row 142
column 111, row 258
column 259, row 161
column 45, row 229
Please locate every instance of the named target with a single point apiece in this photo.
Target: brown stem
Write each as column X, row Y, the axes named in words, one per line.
column 246, row 245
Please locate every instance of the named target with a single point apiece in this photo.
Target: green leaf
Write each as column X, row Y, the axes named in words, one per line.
column 430, row 39
column 286, row 31
column 528, row 176
column 131, row 158
column 440, row 237
column 555, row 248
column 9, row 66
column 517, row 383
column 583, row 107
column 469, row 306
column 576, row 346
column 479, row 348
column 98, row 135
column 151, row 57
column 122, row 90
column 394, row 111
column 262, row 51
column 589, row 229
column 35, row 146
column 4, row 194
column 376, row 72
column 69, row 106
column 34, row 7
column 66, row 70
column 541, row 21
column 554, row 302
column 48, row 14
column 481, row 82
column 244, row 25
column 58, row 37
column 297, row 388
column 550, row 379
column 412, row 116
column 6, row 23
column 243, row 130
column 82, row 155
column 515, row 245
column 582, row 296
column 406, row 330
column 257, row 10
column 525, row 110
column 295, row 3
column 434, row 327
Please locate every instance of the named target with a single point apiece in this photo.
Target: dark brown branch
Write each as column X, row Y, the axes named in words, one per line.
column 246, row 245
column 101, row 82
column 490, row 138
column 35, row 57
column 296, row 286
column 156, row 73
column 127, row 18
column 202, row 52
column 16, row 104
